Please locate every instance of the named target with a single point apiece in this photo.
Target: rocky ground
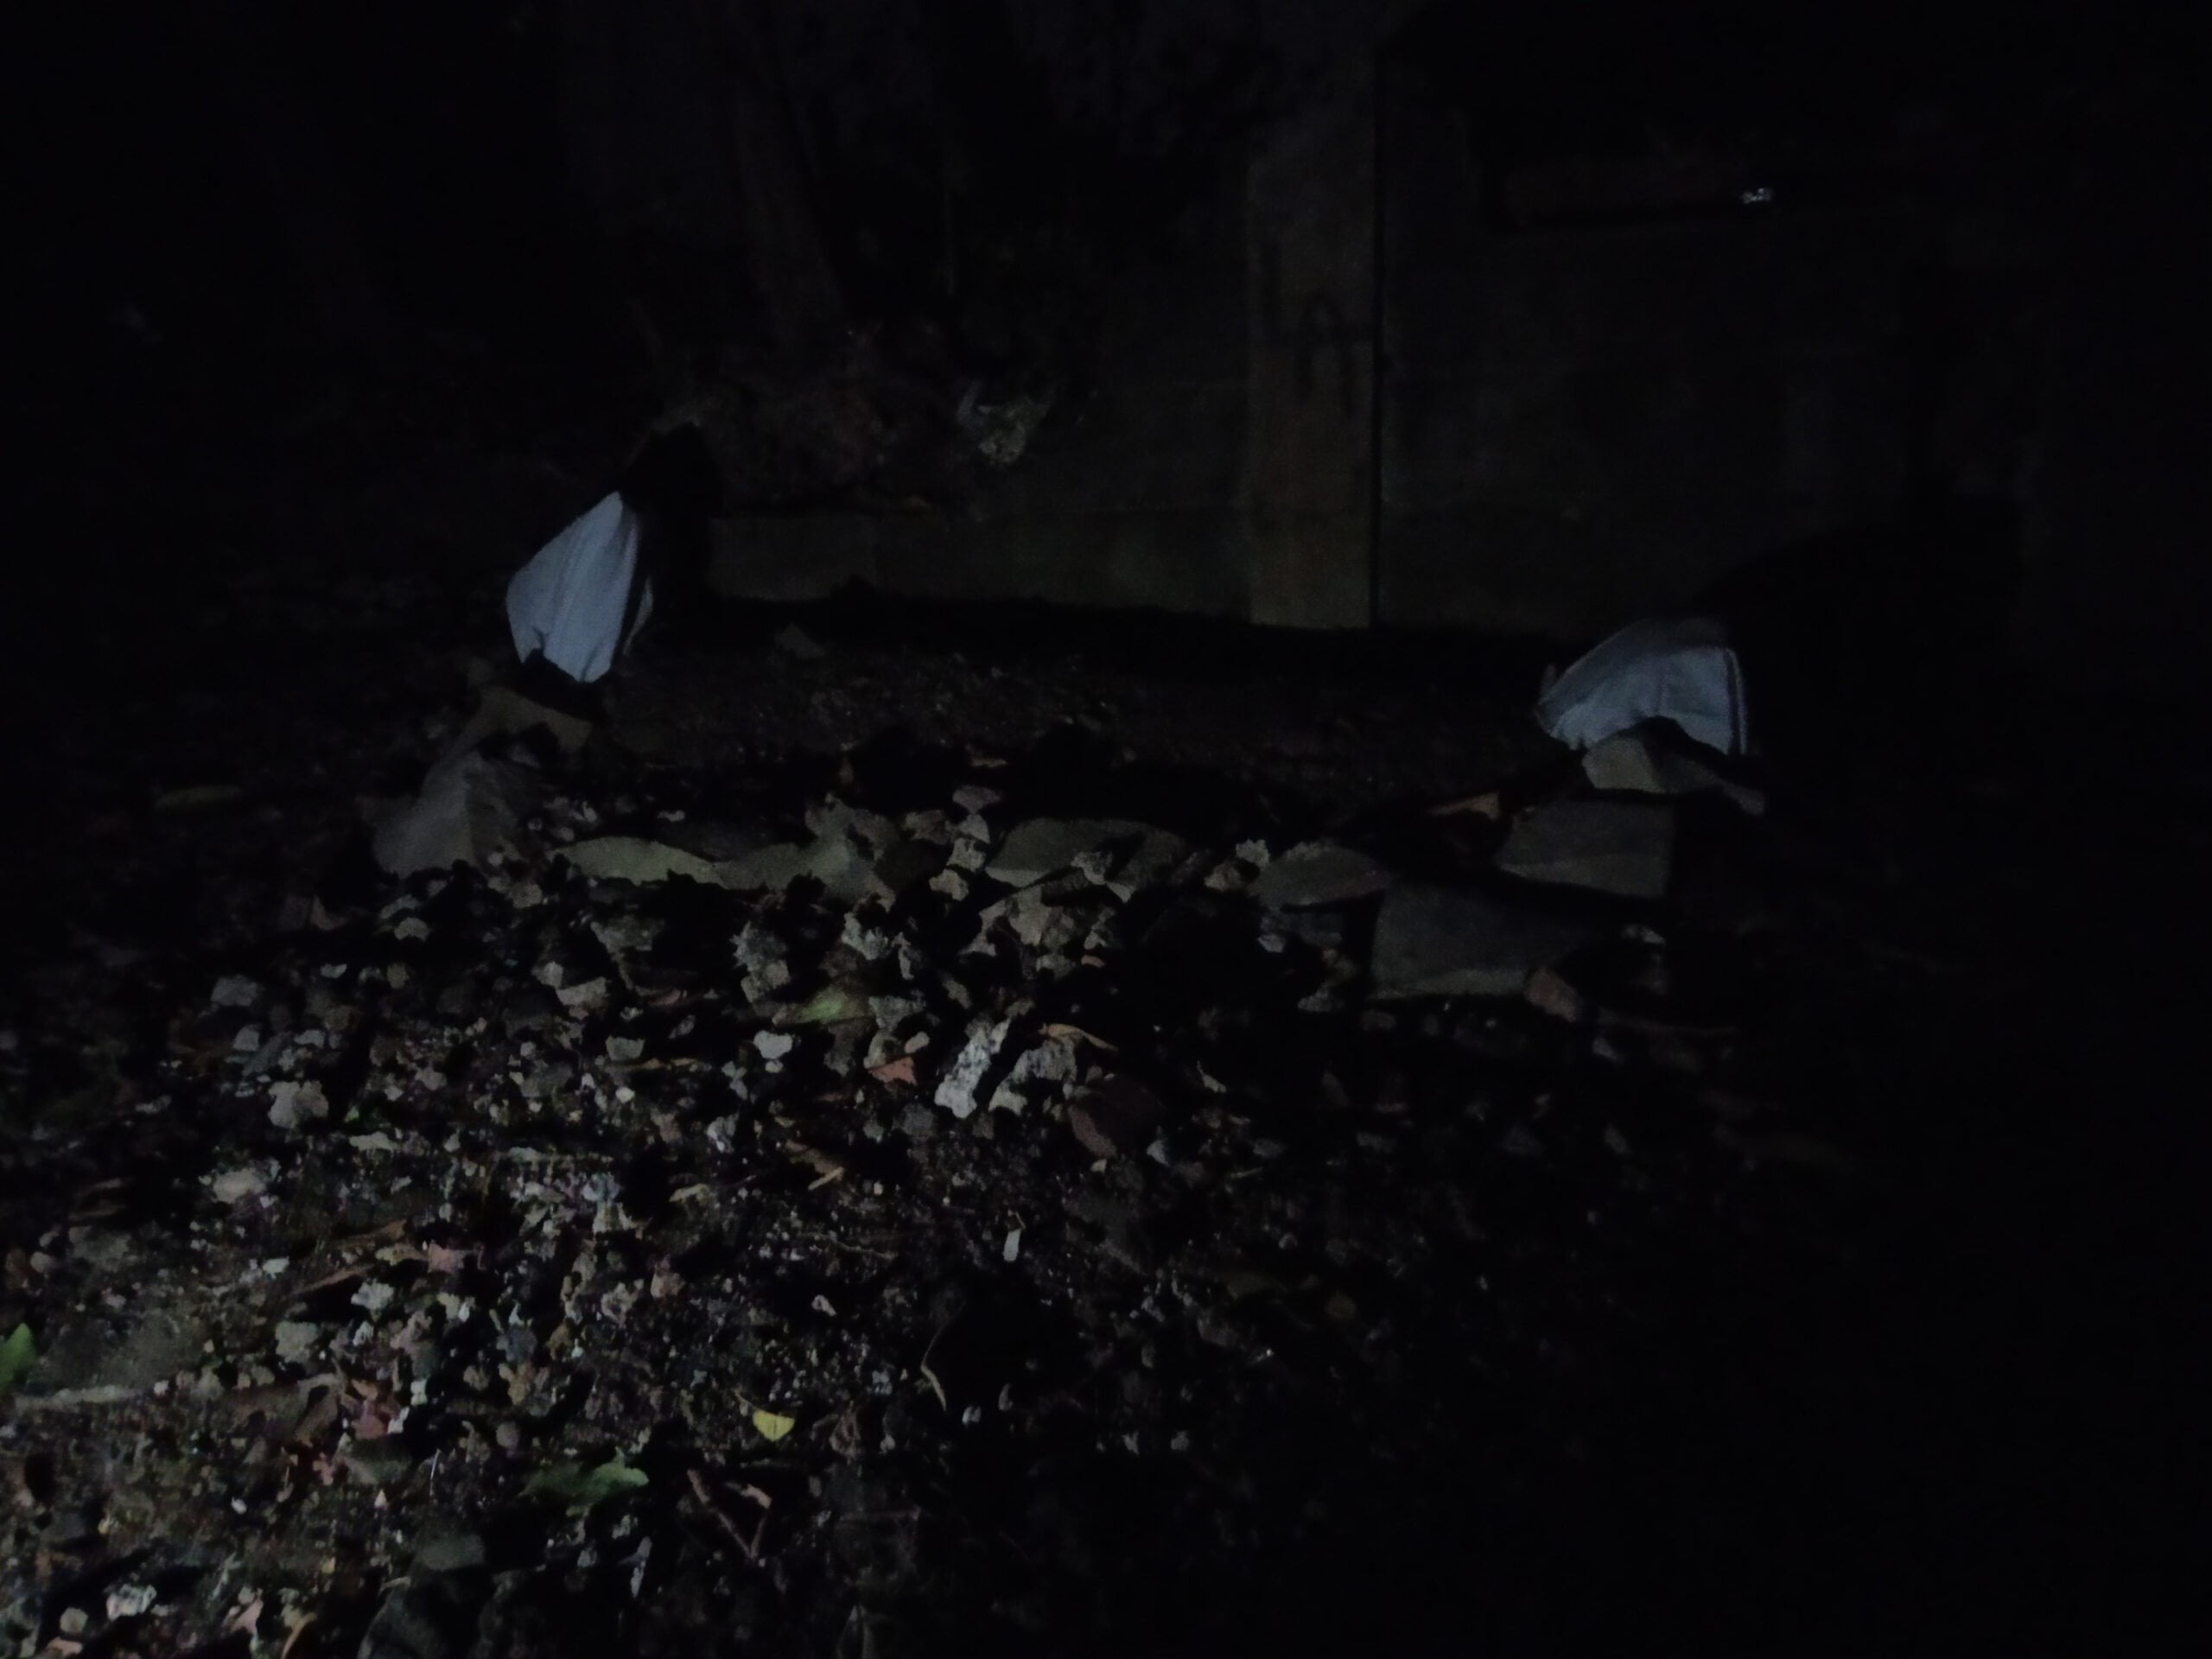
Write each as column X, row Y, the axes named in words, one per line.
column 999, row 1134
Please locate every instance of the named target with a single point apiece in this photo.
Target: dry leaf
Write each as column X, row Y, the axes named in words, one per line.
column 444, row 1259
column 1077, row 1034
column 899, row 1071
column 1484, row 805
column 826, row 1169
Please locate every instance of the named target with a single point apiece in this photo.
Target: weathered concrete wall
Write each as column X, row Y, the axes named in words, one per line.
column 1582, row 424
column 1309, row 457
column 1579, row 423
column 1131, row 499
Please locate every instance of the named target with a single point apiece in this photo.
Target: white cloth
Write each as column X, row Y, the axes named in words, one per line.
column 1679, row 669
column 569, row 601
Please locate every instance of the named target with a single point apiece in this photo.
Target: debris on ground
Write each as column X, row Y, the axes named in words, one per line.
column 924, row 1188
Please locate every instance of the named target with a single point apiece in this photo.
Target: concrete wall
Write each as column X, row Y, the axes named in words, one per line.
column 1581, row 423
column 1584, row 423
column 1578, row 424
column 1130, row 497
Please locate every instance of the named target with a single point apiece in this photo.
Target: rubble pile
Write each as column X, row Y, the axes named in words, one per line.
column 914, row 1208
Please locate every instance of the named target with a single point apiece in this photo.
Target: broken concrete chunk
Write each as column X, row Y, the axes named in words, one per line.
column 871, row 829
column 1451, row 942
column 1153, row 864
column 864, row 940
column 1619, row 847
column 1039, row 923
column 292, row 1105
column 629, row 858
column 1654, row 759
column 1037, row 1075
column 1044, row 847
column 844, row 867
column 770, row 868
column 955, row 1090
column 1318, row 873
column 589, row 997
column 470, row 808
column 235, row 991
column 624, row 936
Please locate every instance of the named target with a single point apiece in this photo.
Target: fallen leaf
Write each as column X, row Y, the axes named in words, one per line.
column 583, row 1489
column 1484, row 805
column 17, row 1355
column 936, row 1387
column 1077, row 1034
column 444, row 1259
column 899, row 1071
column 826, row 1169
column 774, row 1425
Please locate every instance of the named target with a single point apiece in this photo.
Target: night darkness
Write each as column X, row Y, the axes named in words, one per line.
column 879, row 827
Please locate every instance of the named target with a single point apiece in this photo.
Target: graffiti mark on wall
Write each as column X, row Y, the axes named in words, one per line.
column 1322, row 328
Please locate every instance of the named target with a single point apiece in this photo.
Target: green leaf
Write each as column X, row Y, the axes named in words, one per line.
column 774, row 1425
column 831, row 1006
column 17, row 1355
column 582, row 1488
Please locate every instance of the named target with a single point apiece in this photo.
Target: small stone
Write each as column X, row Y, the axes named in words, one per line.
column 235, row 1186
column 292, row 1105
column 773, row 1045
column 235, row 991
column 625, row 1050
column 588, row 998
column 131, row 1600
column 796, row 643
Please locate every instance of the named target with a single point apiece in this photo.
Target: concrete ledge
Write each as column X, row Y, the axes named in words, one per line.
column 1193, row 562
column 792, row 558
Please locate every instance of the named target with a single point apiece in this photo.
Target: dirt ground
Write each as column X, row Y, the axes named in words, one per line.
column 524, row 1264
